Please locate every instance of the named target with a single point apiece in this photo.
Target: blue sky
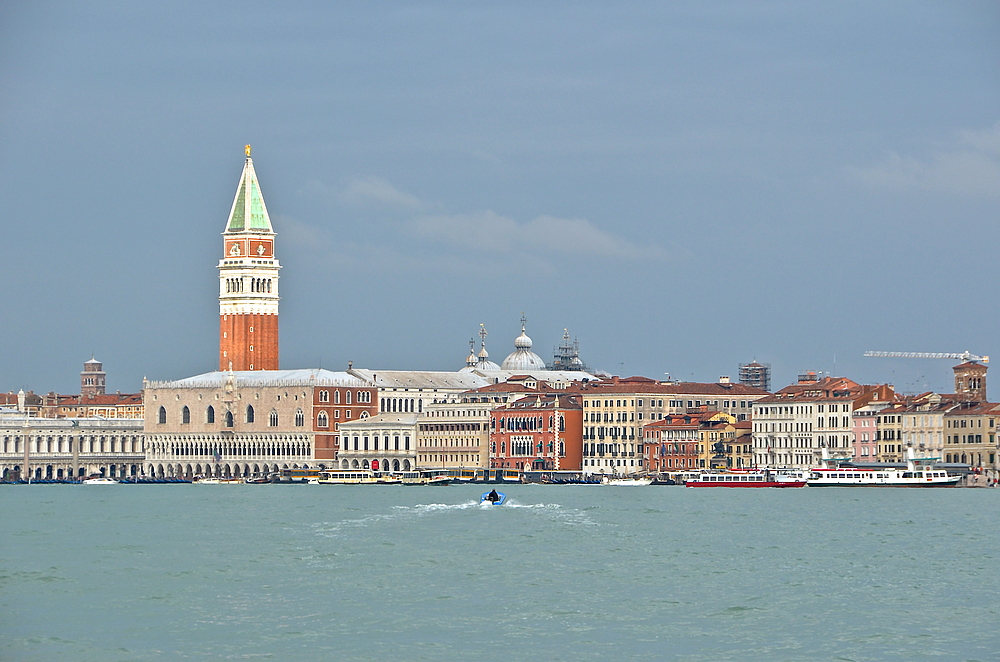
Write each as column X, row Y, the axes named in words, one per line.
column 684, row 187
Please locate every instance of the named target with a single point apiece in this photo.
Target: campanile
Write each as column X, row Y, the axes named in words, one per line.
column 248, row 282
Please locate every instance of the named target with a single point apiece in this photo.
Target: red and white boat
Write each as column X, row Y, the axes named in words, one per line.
column 746, row 479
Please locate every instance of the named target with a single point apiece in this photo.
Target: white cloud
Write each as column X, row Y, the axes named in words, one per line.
column 488, row 232
column 364, row 192
column 984, row 141
column 378, row 191
column 970, row 167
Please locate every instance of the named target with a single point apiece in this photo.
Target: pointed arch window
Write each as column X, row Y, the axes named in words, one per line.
column 210, row 414
column 249, row 413
column 185, row 415
column 347, row 396
column 336, row 397
column 229, row 419
column 322, row 420
column 273, row 419
column 300, row 417
column 161, row 416
column 324, row 396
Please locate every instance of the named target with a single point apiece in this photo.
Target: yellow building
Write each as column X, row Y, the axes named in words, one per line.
column 970, row 432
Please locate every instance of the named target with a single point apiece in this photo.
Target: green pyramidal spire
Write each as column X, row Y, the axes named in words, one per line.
column 249, row 214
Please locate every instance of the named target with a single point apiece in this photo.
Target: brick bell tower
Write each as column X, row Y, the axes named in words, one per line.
column 248, row 282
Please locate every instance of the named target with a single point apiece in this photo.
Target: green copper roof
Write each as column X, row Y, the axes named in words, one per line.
column 236, row 218
column 249, row 204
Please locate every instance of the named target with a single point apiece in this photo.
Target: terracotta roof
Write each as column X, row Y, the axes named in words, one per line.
column 547, row 400
column 514, row 387
column 644, row 385
column 828, row 388
column 681, row 420
column 974, row 409
column 971, row 364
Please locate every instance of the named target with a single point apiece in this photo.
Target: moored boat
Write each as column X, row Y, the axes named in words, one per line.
column 746, row 479
column 418, row 478
column 99, row 480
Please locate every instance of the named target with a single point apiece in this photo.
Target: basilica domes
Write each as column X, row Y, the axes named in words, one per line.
column 522, row 358
column 481, row 362
column 484, row 362
column 470, row 362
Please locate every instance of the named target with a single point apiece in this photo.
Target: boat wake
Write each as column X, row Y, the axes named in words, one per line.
column 552, row 511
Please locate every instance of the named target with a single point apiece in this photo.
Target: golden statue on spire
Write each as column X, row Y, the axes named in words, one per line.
column 248, row 150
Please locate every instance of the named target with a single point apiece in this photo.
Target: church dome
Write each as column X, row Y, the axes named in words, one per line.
column 522, row 358
column 484, row 362
column 470, row 361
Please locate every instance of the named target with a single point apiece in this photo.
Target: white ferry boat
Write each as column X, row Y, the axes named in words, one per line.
column 356, row 477
column 747, row 479
column 919, row 472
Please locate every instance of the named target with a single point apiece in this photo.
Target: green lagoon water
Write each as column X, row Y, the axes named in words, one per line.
column 272, row 572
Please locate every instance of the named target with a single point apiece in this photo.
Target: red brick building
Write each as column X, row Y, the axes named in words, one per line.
column 538, row 432
column 333, row 406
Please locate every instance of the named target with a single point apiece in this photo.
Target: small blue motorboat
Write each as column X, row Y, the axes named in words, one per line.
column 493, row 498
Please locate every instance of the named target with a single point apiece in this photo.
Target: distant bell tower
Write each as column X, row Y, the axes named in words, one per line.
column 248, row 282
column 970, row 381
column 92, row 378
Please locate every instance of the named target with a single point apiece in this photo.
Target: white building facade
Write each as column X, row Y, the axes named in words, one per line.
column 385, row 442
column 63, row 448
column 251, row 423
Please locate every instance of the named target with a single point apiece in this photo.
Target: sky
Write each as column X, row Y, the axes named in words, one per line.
column 684, row 186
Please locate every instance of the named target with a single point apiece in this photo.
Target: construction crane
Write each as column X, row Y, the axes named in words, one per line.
column 962, row 356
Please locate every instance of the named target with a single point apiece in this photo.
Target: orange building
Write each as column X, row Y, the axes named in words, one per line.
column 682, row 442
column 248, row 282
column 538, row 432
